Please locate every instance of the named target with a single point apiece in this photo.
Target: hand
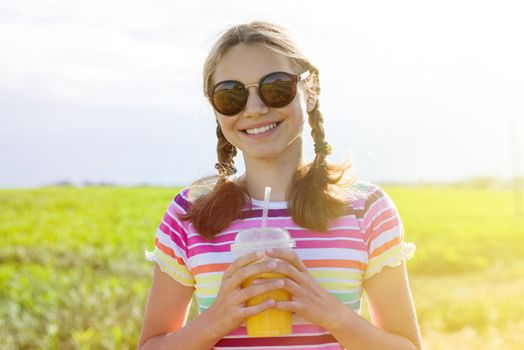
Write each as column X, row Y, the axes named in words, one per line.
column 228, row 311
column 308, row 298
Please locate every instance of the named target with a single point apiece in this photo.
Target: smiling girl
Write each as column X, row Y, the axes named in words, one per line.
column 349, row 236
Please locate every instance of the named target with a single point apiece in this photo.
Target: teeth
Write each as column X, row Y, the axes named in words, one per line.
column 256, row 131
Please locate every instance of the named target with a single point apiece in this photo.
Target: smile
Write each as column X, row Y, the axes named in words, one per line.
column 262, row 130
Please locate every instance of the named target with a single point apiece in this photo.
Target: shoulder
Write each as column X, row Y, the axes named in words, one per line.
column 369, row 202
column 188, row 194
column 363, row 193
column 180, row 202
column 199, row 188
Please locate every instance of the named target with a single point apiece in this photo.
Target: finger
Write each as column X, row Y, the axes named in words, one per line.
column 292, row 306
column 255, row 309
column 257, row 289
column 242, row 261
column 285, row 268
column 292, row 287
column 265, row 280
column 246, row 272
column 287, row 254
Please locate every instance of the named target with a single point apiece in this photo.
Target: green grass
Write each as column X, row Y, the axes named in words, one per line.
column 73, row 274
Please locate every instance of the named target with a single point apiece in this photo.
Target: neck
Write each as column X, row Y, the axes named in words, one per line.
column 275, row 173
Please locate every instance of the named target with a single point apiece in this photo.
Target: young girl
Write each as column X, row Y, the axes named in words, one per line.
column 348, row 238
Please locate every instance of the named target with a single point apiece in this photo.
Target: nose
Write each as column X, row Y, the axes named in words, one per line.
column 254, row 105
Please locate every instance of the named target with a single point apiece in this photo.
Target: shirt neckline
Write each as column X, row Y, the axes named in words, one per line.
column 272, row 205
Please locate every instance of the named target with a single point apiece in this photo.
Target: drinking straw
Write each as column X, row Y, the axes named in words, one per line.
column 267, row 193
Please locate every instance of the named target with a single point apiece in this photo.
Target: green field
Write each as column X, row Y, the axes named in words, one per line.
column 73, row 274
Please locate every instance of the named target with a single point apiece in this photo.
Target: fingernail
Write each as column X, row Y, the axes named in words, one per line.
column 279, row 283
column 269, row 250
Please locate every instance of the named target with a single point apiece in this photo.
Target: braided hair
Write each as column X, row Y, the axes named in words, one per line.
column 226, row 154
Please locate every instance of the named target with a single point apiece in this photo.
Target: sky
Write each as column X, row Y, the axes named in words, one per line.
column 111, row 91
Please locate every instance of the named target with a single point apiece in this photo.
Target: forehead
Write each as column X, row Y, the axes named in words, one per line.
column 249, row 63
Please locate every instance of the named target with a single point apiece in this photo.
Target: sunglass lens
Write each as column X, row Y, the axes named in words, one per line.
column 229, row 98
column 278, row 90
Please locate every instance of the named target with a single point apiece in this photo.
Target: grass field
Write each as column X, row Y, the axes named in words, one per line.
column 73, row 274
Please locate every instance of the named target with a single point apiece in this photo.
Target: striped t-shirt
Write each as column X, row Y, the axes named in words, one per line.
column 357, row 245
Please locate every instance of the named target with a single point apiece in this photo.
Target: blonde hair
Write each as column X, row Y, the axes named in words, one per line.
column 315, row 192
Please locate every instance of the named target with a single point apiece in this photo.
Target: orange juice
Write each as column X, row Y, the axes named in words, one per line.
column 271, row 322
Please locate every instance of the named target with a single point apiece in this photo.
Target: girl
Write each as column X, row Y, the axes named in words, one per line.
column 349, row 238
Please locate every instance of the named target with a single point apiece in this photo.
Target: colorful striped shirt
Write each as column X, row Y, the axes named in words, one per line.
column 356, row 246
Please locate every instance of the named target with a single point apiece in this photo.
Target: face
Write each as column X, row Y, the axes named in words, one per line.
column 247, row 64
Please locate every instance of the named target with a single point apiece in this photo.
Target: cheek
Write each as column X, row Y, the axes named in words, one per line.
column 299, row 110
column 225, row 124
column 228, row 127
column 301, row 101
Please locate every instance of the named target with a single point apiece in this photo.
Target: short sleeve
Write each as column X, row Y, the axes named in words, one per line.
column 384, row 234
column 170, row 245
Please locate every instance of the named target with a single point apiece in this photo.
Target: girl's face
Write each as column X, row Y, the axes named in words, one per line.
column 247, row 64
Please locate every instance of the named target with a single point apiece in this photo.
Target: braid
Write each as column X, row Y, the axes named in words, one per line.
column 322, row 148
column 213, row 210
column 312, row 195
column 226, row 153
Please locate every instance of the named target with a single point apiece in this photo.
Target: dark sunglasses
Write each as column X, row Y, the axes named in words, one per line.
column 277, row 89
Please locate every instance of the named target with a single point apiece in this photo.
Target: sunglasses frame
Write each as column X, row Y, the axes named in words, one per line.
column 295, row 78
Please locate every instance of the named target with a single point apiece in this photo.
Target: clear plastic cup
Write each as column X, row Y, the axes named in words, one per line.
column 272, row 322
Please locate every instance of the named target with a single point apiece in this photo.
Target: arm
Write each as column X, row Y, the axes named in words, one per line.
column 394, row 323
column 393, row 314
column 169, row 301
column 165, row 317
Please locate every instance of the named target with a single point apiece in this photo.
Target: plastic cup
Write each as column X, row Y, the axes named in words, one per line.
column 272, row 322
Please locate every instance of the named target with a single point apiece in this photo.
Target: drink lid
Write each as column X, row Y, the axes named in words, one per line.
column 254, row 239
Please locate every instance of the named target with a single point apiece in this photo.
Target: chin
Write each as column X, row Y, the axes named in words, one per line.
column 268, row 155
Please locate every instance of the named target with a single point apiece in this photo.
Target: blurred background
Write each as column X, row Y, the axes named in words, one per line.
column 107, row 91
column 101, row 103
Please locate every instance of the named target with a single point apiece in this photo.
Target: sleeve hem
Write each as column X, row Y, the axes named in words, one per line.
column 405, row 252
column 178, row 276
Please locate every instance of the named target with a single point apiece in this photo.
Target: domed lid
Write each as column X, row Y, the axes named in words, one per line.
column 257, row 238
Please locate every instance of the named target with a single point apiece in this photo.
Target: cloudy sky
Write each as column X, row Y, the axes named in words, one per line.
column 111, row 90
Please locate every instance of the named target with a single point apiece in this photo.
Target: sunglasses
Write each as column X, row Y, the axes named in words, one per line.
column 277, row 89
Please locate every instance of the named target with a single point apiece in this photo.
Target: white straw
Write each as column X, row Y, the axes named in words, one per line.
column 267, row 194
